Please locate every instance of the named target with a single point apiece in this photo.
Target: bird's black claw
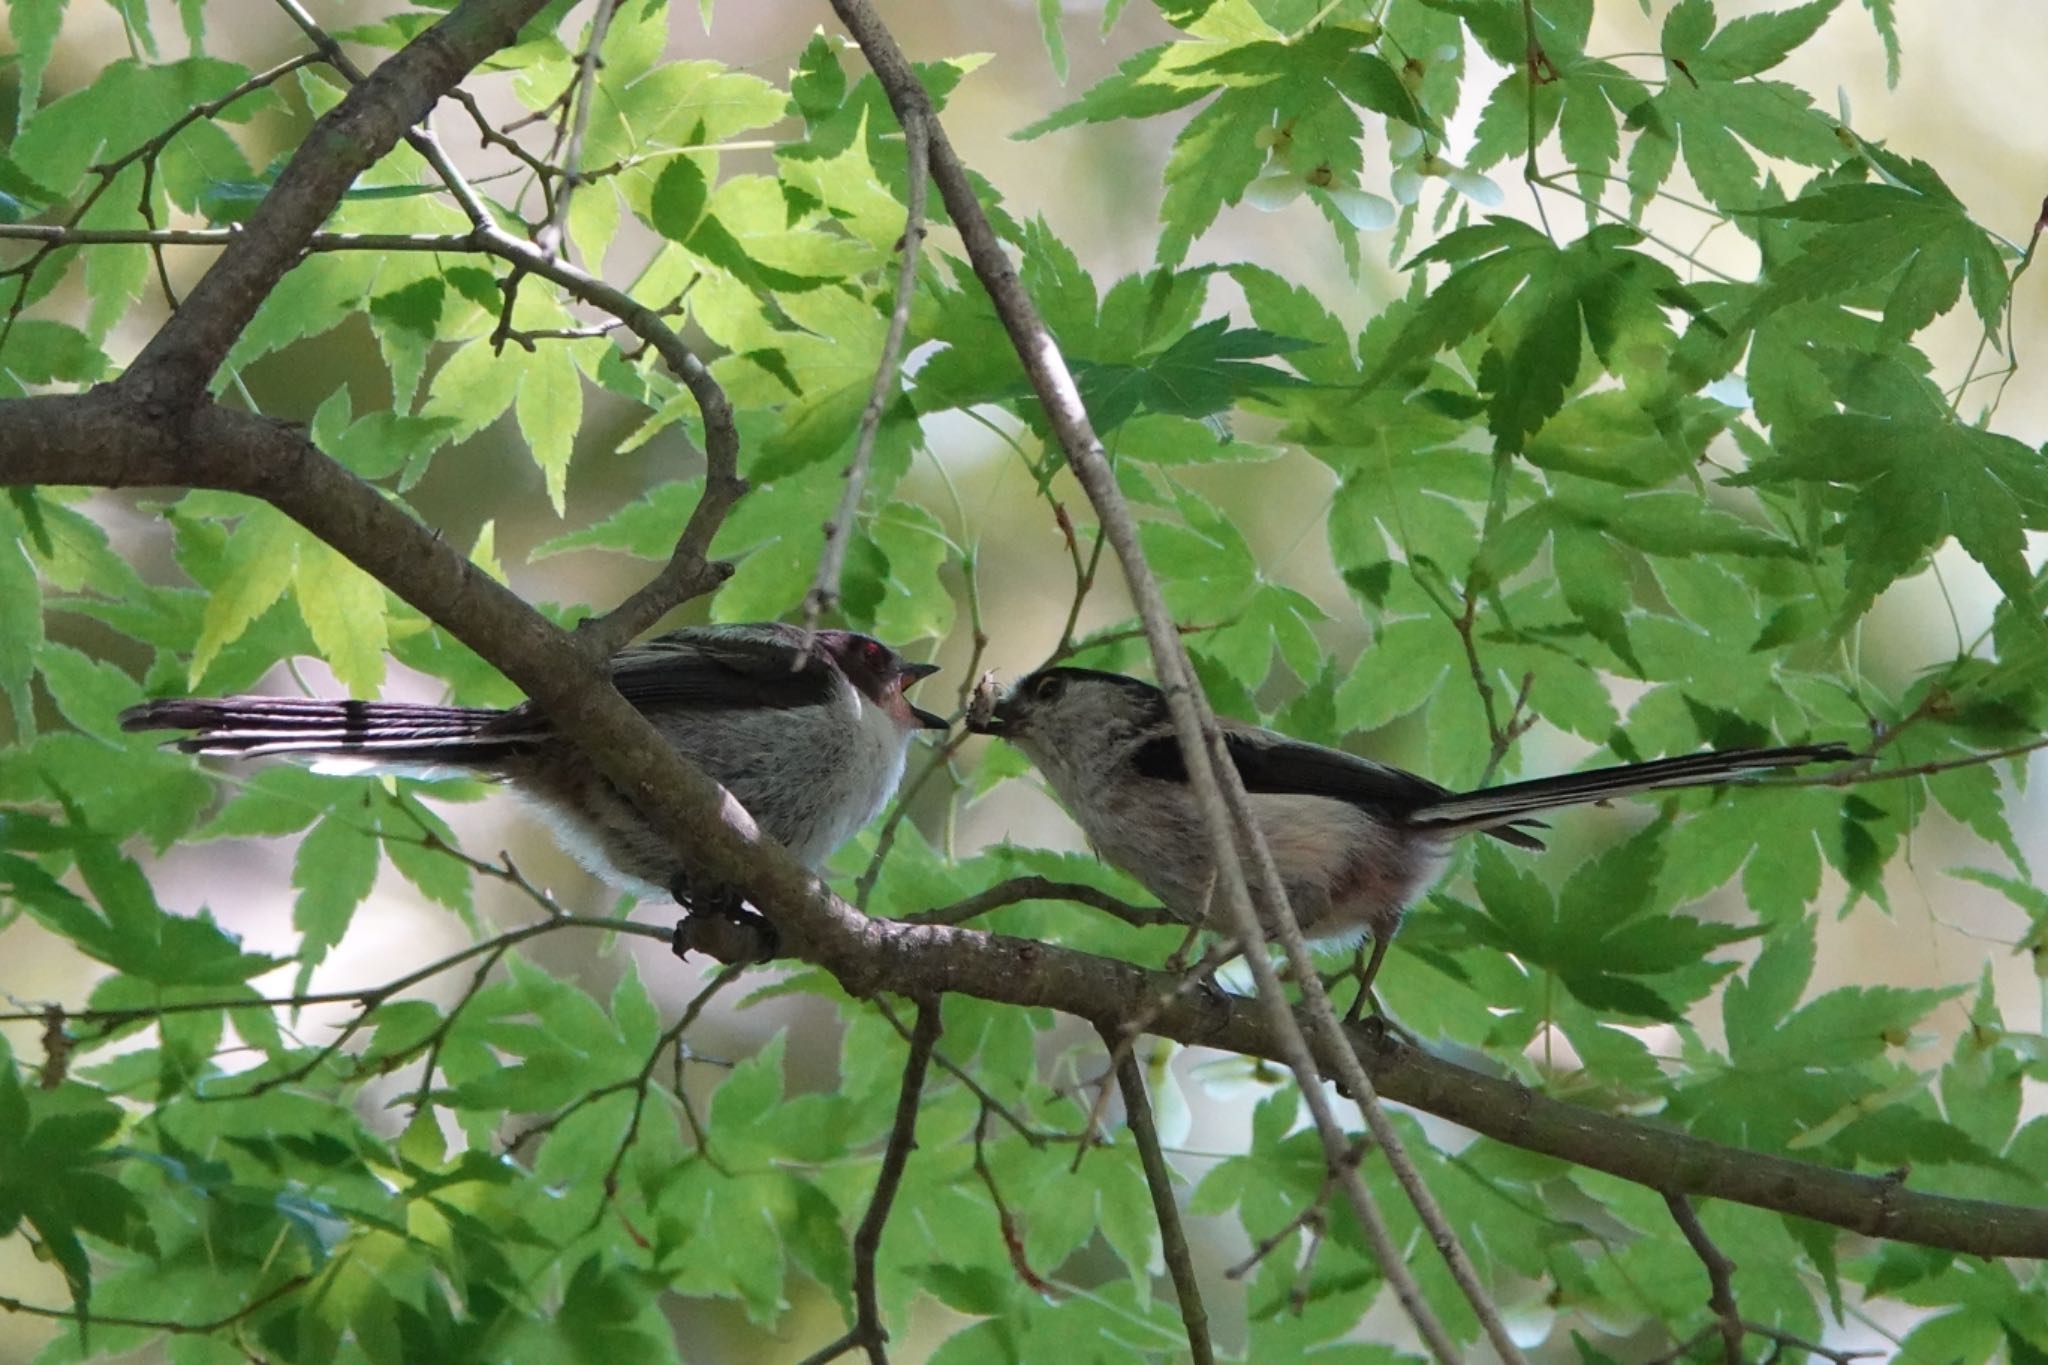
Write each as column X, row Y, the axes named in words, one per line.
column 720, row 924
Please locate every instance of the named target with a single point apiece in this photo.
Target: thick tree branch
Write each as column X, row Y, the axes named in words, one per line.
column 172, row 372
column 870, row 955
column 166, row 384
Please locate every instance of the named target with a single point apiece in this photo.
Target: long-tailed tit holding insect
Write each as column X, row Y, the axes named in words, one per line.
column 1356, row 842
column 807, row 731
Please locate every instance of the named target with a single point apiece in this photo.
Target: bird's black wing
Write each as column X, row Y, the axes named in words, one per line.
column 1272, row 764
column 722, row 669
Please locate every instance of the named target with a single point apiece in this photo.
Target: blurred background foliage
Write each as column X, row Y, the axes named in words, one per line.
column 1417, row 478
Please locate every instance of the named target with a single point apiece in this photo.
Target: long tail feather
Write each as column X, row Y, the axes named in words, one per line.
column 380, row 732
column 1506, row 805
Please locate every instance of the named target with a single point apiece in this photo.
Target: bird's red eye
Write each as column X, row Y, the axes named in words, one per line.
column 872, row 652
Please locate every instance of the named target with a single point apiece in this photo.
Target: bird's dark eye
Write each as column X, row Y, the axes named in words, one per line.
column 1048, row 687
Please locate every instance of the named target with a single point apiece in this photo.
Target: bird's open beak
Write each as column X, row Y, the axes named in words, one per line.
column 987, row 709
column 910, row 673
column 988, row 720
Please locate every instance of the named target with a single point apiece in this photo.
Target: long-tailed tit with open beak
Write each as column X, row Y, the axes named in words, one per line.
column 812, row 752
column 1356, row 842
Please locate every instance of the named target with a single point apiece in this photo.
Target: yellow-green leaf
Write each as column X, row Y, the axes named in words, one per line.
column 262, row 555
column 550, row 409
column 344, row 608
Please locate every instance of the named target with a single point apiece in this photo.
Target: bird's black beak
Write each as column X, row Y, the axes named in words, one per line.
column 910, row 673
column 988, row 721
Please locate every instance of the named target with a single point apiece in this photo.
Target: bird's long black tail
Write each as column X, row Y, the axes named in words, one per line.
column 1499, row 810
column 373, row 734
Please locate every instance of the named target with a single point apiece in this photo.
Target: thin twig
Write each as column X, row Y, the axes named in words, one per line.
column 824, row 593
column 1033, row 888
column 942, row 755
column 899, row 809
column 1857, row 777
column 1126, row 1035
column 1311, row 1215
column 867, row 1331
column 58, row 1045
column 1720, row 1274
column 489, row 136
column 1084, row 578
column 168, row 1325
column 107, row 173
column 504, row 870
column 1194, row 723
column 492, row 949
column 1173, row 1240
column 1013, row 1236
column 640, row 1084
column 1774, row 1334
column 1101, row 639
column 1462, row 622
column 420, row 136
column 555, row 234
column 1037, row 1137
column 438, row 1039
column 671, row 1037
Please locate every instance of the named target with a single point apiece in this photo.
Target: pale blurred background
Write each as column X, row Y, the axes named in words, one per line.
column 1969, row 101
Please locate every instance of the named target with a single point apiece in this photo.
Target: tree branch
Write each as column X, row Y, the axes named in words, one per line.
column 870, row 955
column 1013, row 1236
column 1173, row 1240
column 1720, row 1275
column 555, row 234
column 1212, row 779
column 167, row 380
column 867, row 1331
column 1017, row 890
column 171, row 373
column 168, row 1325
column 824, row 593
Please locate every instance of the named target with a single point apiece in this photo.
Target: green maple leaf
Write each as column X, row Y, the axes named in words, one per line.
column 1917, row 481
column 1606, row 935
column 1294, row 97
column 1136, row 349
column 1582, row 99
column 53, row 1146
column 1206, row 371
column 1533, row 300
column 1712, row 112
column 1917, row 237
